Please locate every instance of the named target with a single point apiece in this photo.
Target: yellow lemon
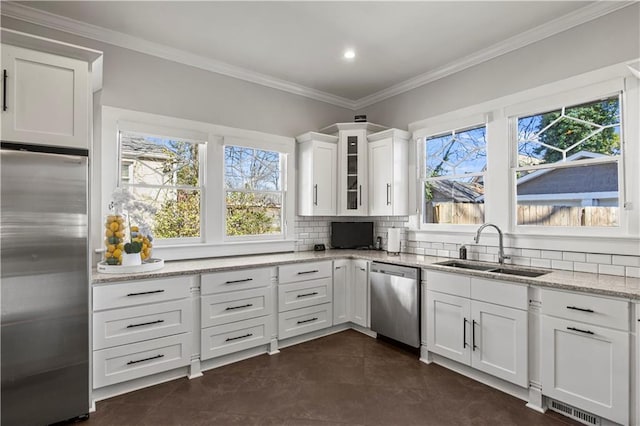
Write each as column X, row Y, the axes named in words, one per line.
column 117, row 253
column 120, row 219
column 134, row 229
column 108, row 255
column 114, row 226
column 121, row 246
column 119, row 234
column 111, row 248
column 108, row 233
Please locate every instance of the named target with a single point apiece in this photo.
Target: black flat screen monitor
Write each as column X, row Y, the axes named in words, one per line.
column 350, row 235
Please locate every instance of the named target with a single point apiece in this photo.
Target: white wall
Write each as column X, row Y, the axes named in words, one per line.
column 150, row 84
column 611, row 39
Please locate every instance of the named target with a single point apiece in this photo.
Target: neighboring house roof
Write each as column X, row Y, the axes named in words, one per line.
column 137, row 147
column 447, row 190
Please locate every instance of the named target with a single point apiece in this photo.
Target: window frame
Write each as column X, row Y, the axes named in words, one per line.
column 457, row 123
column 105, row 178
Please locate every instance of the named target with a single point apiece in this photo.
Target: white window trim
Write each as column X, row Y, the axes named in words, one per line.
column 500, row 188
column 212, row 242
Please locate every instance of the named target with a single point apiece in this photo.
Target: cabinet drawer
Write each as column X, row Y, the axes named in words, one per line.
column 456, row 284
column 133, row 293
column 128, row 325
column 305, row 320
column 220, row 282
column 585, row 308
column 122, row 363
column 500, row 293
column 303, row 294
column 234, row 337
column 239, row 305
column 304, row 271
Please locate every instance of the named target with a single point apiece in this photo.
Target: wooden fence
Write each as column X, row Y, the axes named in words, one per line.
column 469, row 213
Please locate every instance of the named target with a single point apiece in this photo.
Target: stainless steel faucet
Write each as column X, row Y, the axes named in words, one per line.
column 501, row 256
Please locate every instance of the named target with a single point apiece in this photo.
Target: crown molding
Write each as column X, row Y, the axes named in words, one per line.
column 94, row 32
column 558, row 25
column 82, row 29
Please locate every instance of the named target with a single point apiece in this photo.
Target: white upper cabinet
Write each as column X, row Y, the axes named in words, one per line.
column 45, row 98
column 353, row 191
column 388, row 156
column 317, row 174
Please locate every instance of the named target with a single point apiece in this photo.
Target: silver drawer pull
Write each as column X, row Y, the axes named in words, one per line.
column 308, row 272
column 307, row 294
column 145, row 323
column 231, row 308
column 239, row 281
column 580, row 331
column 363, row 269
column 309, row 320
column 575, row 308
column 229, row 339
column 145, row 292
column 145, row 359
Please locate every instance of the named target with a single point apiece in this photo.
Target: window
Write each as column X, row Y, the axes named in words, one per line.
column 163, row 174
column 254, row 191
column 454, row 177
column 567, row 162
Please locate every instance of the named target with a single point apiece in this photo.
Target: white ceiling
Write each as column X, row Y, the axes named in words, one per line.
column 301, row 43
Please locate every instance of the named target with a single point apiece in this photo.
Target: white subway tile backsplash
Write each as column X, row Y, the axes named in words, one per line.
column 549, row 254
column 585, row 267
column 574, row 256
column 599, row 258
column 531, row 253
column 562, row 264
column 443, row 253
column 626, row 260
column 631, row 271
column 513, row 251
column 430, row 252
column 611, row 270
column 492, row 250
column 522, row 261
column 450, row 247
column 483, row 257
column 437, row 246
column 541, row 263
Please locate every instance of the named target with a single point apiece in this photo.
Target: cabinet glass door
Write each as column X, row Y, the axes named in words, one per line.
column 352, row 172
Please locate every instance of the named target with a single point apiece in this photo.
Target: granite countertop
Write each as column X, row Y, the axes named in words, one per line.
column 608, row 285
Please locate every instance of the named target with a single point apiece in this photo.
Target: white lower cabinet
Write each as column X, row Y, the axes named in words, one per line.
column 234, row 337
column 236, row 311
column 141, row 328
column 359, row 292
column 488, row 337
column 341, row 290
column 135, row 360
column 305, row 298
column 586, row 365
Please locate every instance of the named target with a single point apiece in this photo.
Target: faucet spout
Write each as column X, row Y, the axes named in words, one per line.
column 501, row 255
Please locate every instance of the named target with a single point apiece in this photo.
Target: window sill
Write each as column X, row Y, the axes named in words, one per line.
column 239, row 248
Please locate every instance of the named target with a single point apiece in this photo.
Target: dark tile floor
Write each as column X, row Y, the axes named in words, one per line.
column 342, row 379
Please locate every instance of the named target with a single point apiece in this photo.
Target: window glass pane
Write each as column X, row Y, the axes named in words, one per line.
column 153, row 160
column 457, row 153
column 252, row 169
column 250, row 213
column 454, row 201
column 583, row 131
column 169, row 212
column 570, row 196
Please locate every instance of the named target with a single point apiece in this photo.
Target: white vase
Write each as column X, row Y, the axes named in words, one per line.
column 131, row 259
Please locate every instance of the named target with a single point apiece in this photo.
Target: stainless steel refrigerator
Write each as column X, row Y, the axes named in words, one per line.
column 45, row 284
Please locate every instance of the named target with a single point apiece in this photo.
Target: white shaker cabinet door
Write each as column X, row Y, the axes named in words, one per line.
column 499, row 342
column 46, row 100
column 586, row 366
column 325, row 174
column 340, row 291
column 360, row 294
column 449, row 322
column 381, row 178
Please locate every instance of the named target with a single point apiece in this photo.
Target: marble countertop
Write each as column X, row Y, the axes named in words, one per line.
column 608, row 285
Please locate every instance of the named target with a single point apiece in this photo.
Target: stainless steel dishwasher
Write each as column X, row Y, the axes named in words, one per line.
column 395, row 302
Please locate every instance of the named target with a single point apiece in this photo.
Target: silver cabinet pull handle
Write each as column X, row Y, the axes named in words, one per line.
column 575, row 308
column 307, row 294
column 360, row 194
column 388, row 194
column 145, row 323
column 363, row 269
column 473, row 335
column 464, row 333
column 4, row 90
column 145, row 359
column 315, row 194
column 239, row 281
column 308, row 272
column 229, row 339
column 145, row 292
column 309, row 320
column 231, row 308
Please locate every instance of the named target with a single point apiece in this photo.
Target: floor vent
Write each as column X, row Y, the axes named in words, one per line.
column 574, row 413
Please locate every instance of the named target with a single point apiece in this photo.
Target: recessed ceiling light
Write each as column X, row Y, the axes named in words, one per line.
column 349, row 54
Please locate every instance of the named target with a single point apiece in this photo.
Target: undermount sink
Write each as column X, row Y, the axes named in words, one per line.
column 531, row 273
